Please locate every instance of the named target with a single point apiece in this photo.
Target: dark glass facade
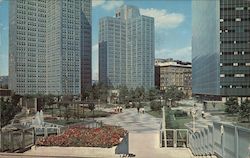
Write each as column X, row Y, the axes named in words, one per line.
column 205, row 47
column 221, row 48
column 235, row 47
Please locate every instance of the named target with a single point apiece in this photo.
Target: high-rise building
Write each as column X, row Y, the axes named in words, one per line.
column 126, row 49
column 221, row 48
column 27, row 47
column 68, row 40
column 50, row 46
column 86, row 52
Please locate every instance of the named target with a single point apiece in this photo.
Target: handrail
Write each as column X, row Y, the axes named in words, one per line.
column 223, row 140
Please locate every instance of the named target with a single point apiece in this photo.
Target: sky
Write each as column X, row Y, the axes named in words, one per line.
column 173, row 22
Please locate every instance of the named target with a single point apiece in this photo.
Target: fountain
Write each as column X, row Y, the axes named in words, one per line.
column 39, row 119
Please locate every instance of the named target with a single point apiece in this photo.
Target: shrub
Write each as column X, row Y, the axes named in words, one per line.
column 155, row 106
column 180, row 113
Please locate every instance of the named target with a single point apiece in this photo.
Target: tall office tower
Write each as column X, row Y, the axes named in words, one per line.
column 86, row 53
column 50, row 46
column 68, row 39
column 27, row 48
column 126, row 49
column 221, row 49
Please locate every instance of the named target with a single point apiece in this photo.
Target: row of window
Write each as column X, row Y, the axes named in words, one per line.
column 235, row 86
column 234, row 42
column 235, row 8
column 235, row 53
column 234, row 75
column 235, row 19
column 239, row 30
column 234, row 64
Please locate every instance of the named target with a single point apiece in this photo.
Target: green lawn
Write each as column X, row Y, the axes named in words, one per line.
column 75, row 113
column 157, row 114
column 65, row 122
column 171, row 120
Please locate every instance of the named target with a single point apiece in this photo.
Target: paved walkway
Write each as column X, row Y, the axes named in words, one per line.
column 144, row 135
column 133, row 122
column 146, row 145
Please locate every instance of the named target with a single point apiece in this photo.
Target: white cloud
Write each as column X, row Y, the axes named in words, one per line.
column 97, row 2
column 163, row 19
column 107, row 4
column 112, row 4
column 95, row 61
column 183, row 54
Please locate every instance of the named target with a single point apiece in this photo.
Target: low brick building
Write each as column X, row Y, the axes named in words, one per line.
column 174, row 73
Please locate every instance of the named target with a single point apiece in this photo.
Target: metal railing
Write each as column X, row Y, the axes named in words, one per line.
column 17, row 140
column 222, row 140
column 174, row 138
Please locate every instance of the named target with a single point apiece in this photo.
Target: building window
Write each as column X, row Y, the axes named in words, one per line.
column 239, row 75
column 235, row 64
column 239, row 8
column 238, row 19
column 222, row 75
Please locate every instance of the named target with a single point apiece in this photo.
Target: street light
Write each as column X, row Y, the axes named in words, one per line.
column 161, row 99
column 170, row 102
column 193, row 115
column 164, row 124
column 58, row 95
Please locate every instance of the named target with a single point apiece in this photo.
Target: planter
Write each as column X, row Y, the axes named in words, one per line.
column 80, row 136
column 72, row 151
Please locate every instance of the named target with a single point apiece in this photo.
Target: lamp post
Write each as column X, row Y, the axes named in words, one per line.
column 58, row 95
column 193, row 115
column 164, row 123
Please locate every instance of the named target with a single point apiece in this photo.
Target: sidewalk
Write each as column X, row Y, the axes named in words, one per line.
column 146, row 145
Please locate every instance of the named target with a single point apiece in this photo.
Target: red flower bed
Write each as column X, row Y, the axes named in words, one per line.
column 79, row 136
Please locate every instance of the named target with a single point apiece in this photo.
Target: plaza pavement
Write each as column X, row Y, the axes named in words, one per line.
column 144, row 135
column 132, row 121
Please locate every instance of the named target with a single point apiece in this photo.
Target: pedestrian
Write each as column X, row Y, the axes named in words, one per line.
column 142, row 110
column 121, row 108
column 203, row 114
column 138, row 110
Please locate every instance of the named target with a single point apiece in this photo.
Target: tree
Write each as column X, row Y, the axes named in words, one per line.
column 123, row 94
column 232, row 105
column 9, row 109
column 66, row 99
column 139, row 94
column 86, row 93
column 91, row 107
column 152, row 94
column 244, row 110
column 49, row 99
column 174, row 94
column 155, row 105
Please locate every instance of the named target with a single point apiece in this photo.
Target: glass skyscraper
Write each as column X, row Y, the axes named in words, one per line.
column 50, row 46
column 221, row 48
column 126, row 49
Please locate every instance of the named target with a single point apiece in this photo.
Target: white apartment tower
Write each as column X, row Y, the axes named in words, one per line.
column 27, row 47
column 49, row 46
column 126, row 49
